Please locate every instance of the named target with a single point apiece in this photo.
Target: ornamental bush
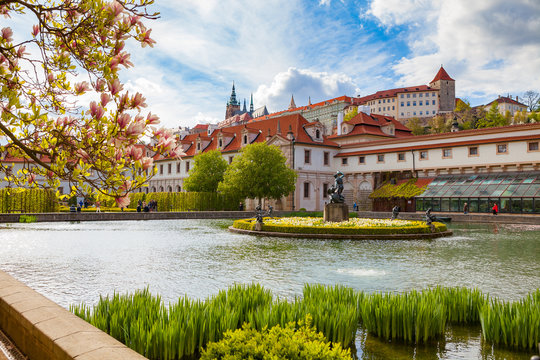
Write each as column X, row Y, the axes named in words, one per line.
column 28, row 200
column 276, row 343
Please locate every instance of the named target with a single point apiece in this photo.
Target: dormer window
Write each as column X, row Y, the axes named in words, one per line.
column 220, row 143
column 317, row 134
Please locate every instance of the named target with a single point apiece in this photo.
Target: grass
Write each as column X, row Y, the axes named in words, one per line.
column 184, row 328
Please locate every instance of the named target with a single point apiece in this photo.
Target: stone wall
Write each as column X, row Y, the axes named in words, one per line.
column 41, row 329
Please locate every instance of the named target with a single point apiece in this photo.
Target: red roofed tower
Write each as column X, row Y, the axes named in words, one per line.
column 447, row 90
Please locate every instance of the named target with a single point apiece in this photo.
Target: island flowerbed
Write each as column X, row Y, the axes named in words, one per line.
column 355, row 226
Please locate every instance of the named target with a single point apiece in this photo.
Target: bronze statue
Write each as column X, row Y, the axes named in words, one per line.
column 335, row 190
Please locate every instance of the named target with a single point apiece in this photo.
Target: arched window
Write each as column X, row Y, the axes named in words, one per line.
column 169, row 188
column 220, row 143
column 317, row 134
column 161, row 189
column 178, row 188
column 153, row 189
column 245, row 139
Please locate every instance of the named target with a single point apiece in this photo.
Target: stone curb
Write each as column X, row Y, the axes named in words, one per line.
column 42, row 330
column 345, row 237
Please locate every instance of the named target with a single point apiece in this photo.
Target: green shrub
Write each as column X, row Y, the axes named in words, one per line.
column 28, row 200
column 289, row 342
column 27, row 219
column 187, row 201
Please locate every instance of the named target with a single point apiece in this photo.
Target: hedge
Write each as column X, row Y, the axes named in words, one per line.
column 249, row 224
column 187, row 201
column 28, row 200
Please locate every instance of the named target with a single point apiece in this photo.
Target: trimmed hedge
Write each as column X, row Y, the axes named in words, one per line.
column 187, row 201
column 28, row 200
column 249, row 224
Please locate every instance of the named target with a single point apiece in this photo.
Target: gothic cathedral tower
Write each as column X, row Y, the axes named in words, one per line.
column 447, row 90
column 233, row 105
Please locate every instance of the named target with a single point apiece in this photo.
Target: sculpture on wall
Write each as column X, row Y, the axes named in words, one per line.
column 334, row 192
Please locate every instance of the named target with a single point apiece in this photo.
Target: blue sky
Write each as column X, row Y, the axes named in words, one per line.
column 328, row 48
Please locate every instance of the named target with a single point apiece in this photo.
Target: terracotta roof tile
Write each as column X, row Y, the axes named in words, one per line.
column 441, row 75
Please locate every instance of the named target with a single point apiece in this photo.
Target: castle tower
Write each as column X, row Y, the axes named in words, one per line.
column 251, row 104
column 447, row 90
column 232, row 105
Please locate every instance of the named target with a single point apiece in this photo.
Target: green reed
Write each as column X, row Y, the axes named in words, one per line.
column 512, row 324
column 182, row 329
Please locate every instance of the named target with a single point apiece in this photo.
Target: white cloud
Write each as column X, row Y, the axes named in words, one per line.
column 489, row 47
column 303, row 83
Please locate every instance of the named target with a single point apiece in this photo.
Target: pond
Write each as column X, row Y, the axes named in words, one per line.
column 76, row 262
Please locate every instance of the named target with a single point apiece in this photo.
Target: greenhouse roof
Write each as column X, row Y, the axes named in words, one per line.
column 525, row 184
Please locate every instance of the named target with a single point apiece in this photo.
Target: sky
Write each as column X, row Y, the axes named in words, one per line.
column 323, row 49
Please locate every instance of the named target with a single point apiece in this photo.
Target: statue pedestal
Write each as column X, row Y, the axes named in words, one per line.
column 336, row 212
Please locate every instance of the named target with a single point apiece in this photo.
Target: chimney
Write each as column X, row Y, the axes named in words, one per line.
column 268, row 137
column 339, row 122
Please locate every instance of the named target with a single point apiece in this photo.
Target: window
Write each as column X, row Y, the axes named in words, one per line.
column 379, row 109
column 401, row 96
column 384, row 101
column 433, row 112
column 361, row 159
column 414, row 113
column 317, row 134
column 326, row 158
column 393, row 107
column 473, row 150
column 169, row 168
column 423, row 155
column 433, row 102
column 324, row 189
column 413, row 95
column 245, row 139
column 408, row 103
column 420, row 95
column 402, row 114
column 307, row 156
column 161, row 169
column 420, row 103
column 420, row 113
column 344, row 161
column 379, row 101
column 401, row 156
column 532, row 146
column 408, row 96
column 177, row 167
column 187, row 166
column 502, row 149
column 230, row 159
column 198, row 146
column 380, row 158
column 220, row 143
column 447, row 153
column 306, row 190
column 402, row 103
column 414, row 103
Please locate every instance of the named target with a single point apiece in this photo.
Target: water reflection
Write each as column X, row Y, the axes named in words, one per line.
column 72, row 263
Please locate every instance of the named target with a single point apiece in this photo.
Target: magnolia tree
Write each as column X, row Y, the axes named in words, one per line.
column 72, row 48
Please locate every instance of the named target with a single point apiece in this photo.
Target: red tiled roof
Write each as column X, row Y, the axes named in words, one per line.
column 365, row 124
column 392, row 93
column 441, row 75
column 201, row 126
column 504, row 99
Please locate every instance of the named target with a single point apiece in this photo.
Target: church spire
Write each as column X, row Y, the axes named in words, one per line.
column 232, row 100
column 251, row 104
column 292, row 104
column 309, row 101
column 244, row 109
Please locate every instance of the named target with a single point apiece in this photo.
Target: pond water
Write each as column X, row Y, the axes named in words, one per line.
column 76, row 262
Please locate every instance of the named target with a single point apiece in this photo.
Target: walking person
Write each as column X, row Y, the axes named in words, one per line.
column 465, row 208
column 98, row 206
column 495, row 209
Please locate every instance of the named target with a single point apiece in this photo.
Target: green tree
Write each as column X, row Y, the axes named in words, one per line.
column 260, row 171
column 493, row 118
column 207, row 172
column 520, row 117
column 462, row 105
column 439, row 124
column 415, row 125
column 95, row 146
column 351, row 114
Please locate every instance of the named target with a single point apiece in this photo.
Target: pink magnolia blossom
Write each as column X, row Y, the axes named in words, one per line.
column 4, row 10
column 31, row 178
column 35, row 30
column 7, row 33
column 116, row 8
column 134, row 20
column 118, row 155
column 100, row 85
column 119, row 47
column 123, row 119
column 122, row 201
column 21, row 51
column 105, row 98
column 138, row 101
column 82, row 154
column 82, row 87
column 115, row 87
column 147, row 40
column 147, row 162
column 166, row 144
column 135, row 153
column 135, row 129
column 176, row 152
column 152, row 119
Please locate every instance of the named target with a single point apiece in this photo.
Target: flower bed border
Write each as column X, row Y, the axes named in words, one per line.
column 416, row 236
